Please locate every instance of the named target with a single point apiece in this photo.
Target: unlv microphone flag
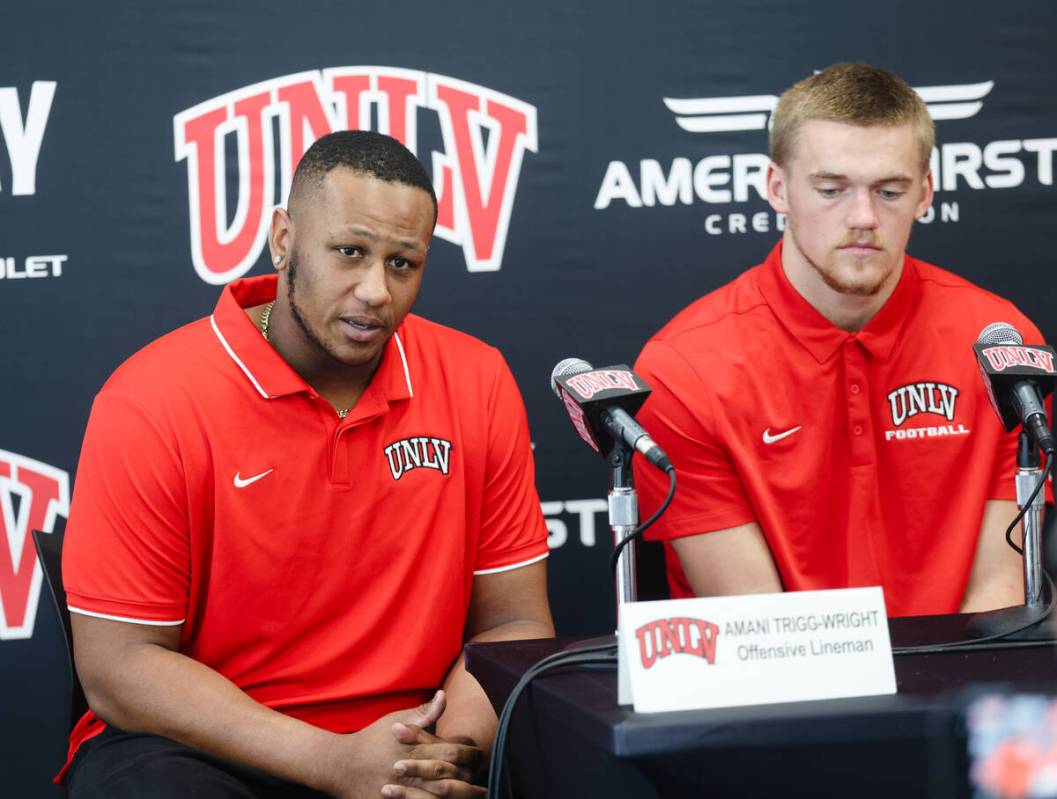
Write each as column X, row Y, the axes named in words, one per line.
column 1018, row 377
column 600, row 403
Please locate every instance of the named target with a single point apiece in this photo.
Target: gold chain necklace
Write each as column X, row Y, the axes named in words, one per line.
column 266, row 317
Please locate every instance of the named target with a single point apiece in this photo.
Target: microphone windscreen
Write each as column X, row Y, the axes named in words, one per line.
column 999, row 333
column 566, row 367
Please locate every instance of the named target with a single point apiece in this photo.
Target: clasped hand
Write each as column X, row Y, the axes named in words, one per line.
column 434, row 766
column 398, row 757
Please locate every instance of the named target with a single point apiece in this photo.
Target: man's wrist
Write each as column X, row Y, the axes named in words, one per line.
column 330, row 762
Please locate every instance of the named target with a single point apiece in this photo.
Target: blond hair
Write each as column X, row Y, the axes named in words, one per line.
column 857, row 94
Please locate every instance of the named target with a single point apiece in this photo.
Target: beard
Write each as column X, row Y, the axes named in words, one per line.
column 299, row 315
column 854, row 276
column 860, row 285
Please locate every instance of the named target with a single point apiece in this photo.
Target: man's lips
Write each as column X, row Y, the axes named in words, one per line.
column 363, row 328
column 860, row 247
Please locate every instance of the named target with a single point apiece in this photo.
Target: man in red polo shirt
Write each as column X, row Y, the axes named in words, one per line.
column 290, row 515
column 824, row 411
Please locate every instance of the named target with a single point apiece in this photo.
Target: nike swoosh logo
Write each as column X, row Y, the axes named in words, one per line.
column 769, row 439
column 242, row 483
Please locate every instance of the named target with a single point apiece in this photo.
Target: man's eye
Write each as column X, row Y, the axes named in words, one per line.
column 350, row 252
column 890, row 194
column 399, row 262
column 827, row 193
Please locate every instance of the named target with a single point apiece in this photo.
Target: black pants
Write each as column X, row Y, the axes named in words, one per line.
column 123, row 765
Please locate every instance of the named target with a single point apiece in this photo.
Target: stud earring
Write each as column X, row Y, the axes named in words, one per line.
column 277, row 260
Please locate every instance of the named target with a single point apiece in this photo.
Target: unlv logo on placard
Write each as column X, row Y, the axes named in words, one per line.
column 475, row 181
column 32, row 496
column 663, row 637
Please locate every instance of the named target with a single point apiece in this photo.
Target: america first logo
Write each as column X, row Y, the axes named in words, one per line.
column 485, row 137
column 32, row 496
column 728, row 184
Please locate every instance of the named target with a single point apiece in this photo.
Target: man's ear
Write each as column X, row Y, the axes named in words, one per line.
column 777, row 188
column 279, row 237
column 926, row 200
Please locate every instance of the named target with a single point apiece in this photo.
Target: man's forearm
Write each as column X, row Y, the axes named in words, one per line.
column 153, row 689
column 470, row 714
column 996, row 579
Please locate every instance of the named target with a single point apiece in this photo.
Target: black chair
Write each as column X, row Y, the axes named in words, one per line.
column 49, row 552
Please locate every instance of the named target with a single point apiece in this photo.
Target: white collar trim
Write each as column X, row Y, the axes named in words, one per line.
column 236, row 359
column 265, row 394
column 403, row 357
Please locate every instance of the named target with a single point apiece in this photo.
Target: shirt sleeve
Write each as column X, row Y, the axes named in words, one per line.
column 513, row 532
column 126, row 554
column 678, row 415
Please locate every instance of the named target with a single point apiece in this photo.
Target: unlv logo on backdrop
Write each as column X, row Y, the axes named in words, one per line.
column 32, row 495
column 485, row 137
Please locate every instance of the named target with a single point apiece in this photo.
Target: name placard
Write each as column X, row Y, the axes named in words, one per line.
column 683, row 654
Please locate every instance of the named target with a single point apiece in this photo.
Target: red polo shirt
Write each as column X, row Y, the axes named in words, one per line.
column 322, row 565
column 866, row 458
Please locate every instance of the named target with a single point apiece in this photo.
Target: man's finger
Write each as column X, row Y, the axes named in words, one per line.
column 426, row 714
column 405, row 792
column 459, row 754
column 410, row 734
column 449, row 789
column 414, row 772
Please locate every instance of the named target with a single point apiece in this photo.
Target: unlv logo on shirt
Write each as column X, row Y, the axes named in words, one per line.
column 418, row 452
column 924, row 397
column 32, row 495
column 485, row 136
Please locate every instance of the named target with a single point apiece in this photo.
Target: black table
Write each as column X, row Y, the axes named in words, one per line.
column 571, row 739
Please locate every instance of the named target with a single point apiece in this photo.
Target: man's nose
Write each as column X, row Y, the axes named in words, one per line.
column 862, row 214
column 372, row 287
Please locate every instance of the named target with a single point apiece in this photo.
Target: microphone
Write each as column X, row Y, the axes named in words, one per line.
column 1018, row 377
column 600, row 403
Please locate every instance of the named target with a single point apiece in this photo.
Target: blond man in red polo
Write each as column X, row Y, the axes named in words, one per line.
column 824, row 411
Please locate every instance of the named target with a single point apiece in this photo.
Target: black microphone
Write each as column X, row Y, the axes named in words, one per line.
column 1018, row 377
column 600, row 403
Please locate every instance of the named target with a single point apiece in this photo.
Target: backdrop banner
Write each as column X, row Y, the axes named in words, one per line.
column 599, row 165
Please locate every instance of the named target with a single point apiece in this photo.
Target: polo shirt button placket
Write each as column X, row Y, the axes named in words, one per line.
column 860, row 443
column 334, row 427
column 340, row 460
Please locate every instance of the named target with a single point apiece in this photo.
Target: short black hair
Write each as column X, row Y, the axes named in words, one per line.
column 366, row 152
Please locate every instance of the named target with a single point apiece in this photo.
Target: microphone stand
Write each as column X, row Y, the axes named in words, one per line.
column 1033, row 611
column 1028, row 474
column 623, row 518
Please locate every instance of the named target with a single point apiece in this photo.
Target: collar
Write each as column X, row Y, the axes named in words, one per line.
column 266, row 370
column 817, row 334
